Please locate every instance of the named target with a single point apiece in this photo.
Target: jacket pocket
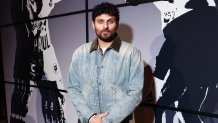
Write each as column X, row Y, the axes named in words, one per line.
column 118, row 94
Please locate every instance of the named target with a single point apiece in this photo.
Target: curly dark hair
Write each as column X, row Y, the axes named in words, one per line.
column 106, row 8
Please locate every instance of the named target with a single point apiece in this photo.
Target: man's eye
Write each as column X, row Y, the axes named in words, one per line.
column 110, row 21
column 100, row 21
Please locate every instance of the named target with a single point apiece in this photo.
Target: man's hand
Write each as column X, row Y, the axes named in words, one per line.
column 98, row 118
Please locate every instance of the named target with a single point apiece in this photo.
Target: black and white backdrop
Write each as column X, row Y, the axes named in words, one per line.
column 37, row 54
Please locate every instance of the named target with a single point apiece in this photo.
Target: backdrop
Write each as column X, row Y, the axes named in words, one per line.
column 43, row 49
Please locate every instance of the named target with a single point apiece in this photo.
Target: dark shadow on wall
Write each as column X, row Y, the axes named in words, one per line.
column 125, row 32
column 142, row 113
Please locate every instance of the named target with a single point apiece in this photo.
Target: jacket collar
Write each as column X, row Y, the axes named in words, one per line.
column 116, row 43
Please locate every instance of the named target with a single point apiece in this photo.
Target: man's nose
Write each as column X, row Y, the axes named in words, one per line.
column 105, row 25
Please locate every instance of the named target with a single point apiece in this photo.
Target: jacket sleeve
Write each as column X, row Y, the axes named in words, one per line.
column 127, row 104
column 75, row 93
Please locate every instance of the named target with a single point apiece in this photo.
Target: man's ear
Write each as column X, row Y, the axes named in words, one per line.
column 117, row 25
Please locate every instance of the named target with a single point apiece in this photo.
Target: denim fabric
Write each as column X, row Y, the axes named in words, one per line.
column 106, row 82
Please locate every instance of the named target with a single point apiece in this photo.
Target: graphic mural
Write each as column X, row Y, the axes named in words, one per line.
column 177, row 39
column 189, row 53
column 35, row 62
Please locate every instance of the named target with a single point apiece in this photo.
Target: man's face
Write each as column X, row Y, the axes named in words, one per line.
column 105, row 27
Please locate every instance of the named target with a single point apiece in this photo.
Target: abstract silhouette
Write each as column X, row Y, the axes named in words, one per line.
column 190, row 53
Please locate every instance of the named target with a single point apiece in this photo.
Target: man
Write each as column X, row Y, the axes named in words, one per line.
column 35, row 62
column 106, row 76
column 190, row 54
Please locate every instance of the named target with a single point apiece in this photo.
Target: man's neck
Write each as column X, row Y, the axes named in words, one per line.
column 103, row 44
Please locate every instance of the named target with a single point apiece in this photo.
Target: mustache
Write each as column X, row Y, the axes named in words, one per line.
column 106, row 30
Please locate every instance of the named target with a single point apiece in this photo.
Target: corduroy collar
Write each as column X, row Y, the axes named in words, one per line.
column 116, row 43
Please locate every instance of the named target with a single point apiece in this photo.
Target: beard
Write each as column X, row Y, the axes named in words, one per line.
column 107, row 38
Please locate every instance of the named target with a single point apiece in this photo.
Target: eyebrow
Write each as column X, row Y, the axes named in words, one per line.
column 107, row 19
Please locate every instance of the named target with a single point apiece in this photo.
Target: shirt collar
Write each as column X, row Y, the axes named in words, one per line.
column 116, row 43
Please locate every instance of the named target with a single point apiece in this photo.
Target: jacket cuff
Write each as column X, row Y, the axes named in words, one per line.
column 85, row 118
column 92, row 116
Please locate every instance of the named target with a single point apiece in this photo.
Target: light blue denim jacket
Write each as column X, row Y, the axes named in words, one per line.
column 106, row 82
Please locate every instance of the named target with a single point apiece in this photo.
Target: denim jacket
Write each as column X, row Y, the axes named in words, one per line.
column 106, row 82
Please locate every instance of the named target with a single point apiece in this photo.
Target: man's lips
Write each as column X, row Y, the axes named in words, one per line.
column 105, row 32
